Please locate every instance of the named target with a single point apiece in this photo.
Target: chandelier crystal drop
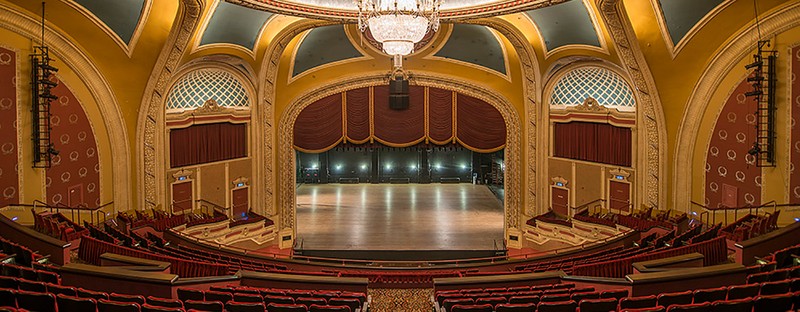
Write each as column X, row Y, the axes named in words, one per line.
column 398, row 24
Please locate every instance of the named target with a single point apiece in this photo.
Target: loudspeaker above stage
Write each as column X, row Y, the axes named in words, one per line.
column 398, row 93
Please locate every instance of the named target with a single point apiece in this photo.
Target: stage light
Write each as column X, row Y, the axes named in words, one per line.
column 388, row 166
column 48, row 68
column 796, row 219
column 17, row 218
column 413, row 167
column 314, row 166
column 48, row 82
column 753, row 64
column 363, row 167
column 338, row 167
column 753, row 93
column 52, row 150
column 463, row 166
column 754, row 150
column 438, row 166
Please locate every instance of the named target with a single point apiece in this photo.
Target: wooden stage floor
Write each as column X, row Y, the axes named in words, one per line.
column 407, row 217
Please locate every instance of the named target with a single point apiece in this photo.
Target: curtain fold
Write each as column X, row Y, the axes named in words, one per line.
column 199, row 144
column 357, row 105
column 319, row 125
column 397, row 128
column 479, row 126
column 440, row 116
column 595, row 142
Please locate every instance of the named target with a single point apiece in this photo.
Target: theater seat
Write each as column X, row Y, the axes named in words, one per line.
column 353, row 303
column 280, row 307
column 164, row 302
column 68, row 303
column 710, row 294
column 618, row 294
column 472, row 308
column 694, row 307
column 581, row 296
column 63, row 290
column 561, row 306
column 208, row 306
column 668, row 299
column 8, row 298
column 654, row 309
column 524, row 299
column 152, row 308
column 309, row 301
column 96, row 295
column 773, row 303
column 126, row 298
column 218, row 296
column 36, row 301
column 743, row 291
column 233, row 306
column 769, row 288
column 113, row 306
column 328, row 308
column 8, row 282
column 449, row 303
column 515, row 307
column 276, row 299
column 190, row 294
column 737, row 305
column 638, row 302
column 247, row 298
column 598, row 305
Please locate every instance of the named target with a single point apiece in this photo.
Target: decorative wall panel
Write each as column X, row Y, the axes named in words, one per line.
column 728, row 165
column 76, row 169
column 794, row 174
column 9, row 177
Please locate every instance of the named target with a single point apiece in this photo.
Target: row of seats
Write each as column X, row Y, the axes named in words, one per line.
column 786, row 257
column 12, row 271
column 751, row 226
column 90, row 250
column 22, row 255
column 354, row 301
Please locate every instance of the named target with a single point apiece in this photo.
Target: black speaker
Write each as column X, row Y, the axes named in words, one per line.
column 398, row 94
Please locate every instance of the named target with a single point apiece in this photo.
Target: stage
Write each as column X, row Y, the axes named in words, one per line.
column 398, row 222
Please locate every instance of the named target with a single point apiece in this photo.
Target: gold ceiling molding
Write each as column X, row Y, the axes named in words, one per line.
column 649, row 112
column 196, row 47
column 268, row 76
column 533, row 205
column 286, row 174
column 601, row 38
column 127, row 47
column 20, row 23
column 738, row 47
column 151, row 117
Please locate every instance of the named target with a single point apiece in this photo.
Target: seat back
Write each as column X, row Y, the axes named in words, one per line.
column 472, row 308
column 653, row 309
column 63, row 290
column 164, row 302
column 68, row 303
column 152, row 308
column 694, row 307
column 32, row 286
column 96, row 295
column 449, row 303
column 617, row 293
column 9, row 282
column 554, row 298
column 218, row 296
column 309, row 301
column 8, row 298
column 638, row 302
column 209, row 306
column 515, row 307
column 247, row 298
column 282, row 307
column 561, row 306
column 773, row 303
column 328, row 308
column 524, row 299
column 190, row 294
column 668, row 299
column 710, row 294
column 353, row 303
column 768, row 288
column 233, row 306
column 36, row 301
column 113, row 306
column 598, row 305
column 580, row 296
column 126, row 298
column 743, row 291
column 278, row 299
column 737, row 305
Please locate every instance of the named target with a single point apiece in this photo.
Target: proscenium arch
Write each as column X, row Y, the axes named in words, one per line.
column 286, row 187
column 738, row 47
column 67, row 52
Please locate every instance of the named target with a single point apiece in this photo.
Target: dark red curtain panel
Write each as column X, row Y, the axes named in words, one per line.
column 479, row 125
column 207, row 143
column 397, row 127
column 319, row 125
column 595, row 142
column 440, row 115
column 358, row 115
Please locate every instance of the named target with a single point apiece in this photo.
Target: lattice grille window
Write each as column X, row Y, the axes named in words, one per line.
column 201, row 85
column 605, row 86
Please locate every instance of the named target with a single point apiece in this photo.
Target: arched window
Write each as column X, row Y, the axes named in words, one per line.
column 604, row 85
column 199, row 86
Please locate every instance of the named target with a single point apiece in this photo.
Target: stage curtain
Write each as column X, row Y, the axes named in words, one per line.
column 319, row 125
column 357, row 115
column 397, row 128
column 479, row 126
column 595, row 142
column 440, row 116
column 206, row 143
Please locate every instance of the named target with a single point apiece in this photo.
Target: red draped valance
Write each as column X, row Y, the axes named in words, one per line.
column 434, row 116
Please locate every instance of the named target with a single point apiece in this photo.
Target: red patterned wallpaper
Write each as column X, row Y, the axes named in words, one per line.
column 794, row 184
column 732, row 178
column 76, row 169
column 9, row 179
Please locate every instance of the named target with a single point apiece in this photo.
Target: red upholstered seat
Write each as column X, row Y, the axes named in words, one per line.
column 279, row 307
column 515, row 307
column 152, row 308
column 247, row 298
column 654, row 309
column 694, row 307
column 8, row 282
column 617, row 293
column 210, row 306
column 64, row 290
column 36, row 301
column 449, row 303
column 218, row 296
column 190, row 294
column 554, row 298
column 126, row 298
column 770, row 288
column 309, row 301
column 491, row 300
column 70, row 303
column 668, row 299
column 737, row 305
column 598, row 305
column 743, row 291
column 710, row 294
column 524, row 299
column 472, row 308
column 353, row 303
column 276, row 299
column 163, row 302
column 773, row 303
column 233, row 306
column 638, row 302
column 328, row 308
column 561, row 306
column 84, row 293
column 32, row 286
column 113, row 306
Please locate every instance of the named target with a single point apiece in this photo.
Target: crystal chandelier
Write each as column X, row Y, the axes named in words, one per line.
column 398, row 24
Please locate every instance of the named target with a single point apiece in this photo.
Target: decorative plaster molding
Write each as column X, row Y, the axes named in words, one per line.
column 151, row 116
column 741, row 44
column 127, row 47
column 619, row 172
column 98, row 86
column 649, row 110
